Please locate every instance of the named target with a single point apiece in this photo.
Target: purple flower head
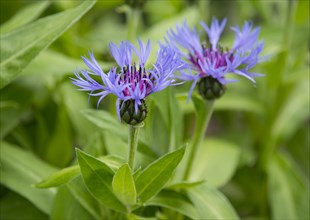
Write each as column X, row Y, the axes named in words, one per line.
column 214, row 61
column 130, row 80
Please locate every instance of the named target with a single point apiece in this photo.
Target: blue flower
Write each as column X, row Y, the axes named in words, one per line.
column 130, row 80
column 214, row 61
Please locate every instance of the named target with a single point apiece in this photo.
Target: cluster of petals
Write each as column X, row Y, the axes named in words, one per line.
column 214, row 61
column 130, row 80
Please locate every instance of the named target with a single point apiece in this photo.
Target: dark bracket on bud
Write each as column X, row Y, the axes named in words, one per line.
column 210, row 88
column 129, row 115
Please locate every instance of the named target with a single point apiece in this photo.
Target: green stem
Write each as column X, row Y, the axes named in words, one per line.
column 133, row 17
column 201, row 125
column 133, row 143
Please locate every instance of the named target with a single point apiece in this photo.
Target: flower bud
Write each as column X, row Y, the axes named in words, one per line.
column 210, row 88
column 129, row 115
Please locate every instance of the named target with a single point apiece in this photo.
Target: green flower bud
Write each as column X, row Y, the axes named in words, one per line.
column 210, row 88
column 129, row 115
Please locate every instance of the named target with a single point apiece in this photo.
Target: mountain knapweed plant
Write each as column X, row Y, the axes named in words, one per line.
column 208, row 65
column 131, row 82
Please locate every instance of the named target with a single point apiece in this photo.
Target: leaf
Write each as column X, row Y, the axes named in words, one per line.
column 216, row 161
column 288, row 189
column 11, row 113
column 184, row 185
column 10, row 202
column 124, row 186
column 153, row 178
column 106, row 121
column 175, row 203
column 20, row 47
column 211, row 203
column 59, row 148
column 67, row 207
column 47, row 60
column 239, row 102
column 98, row 180
column 82, row 195
column 60, row 177
column 136, row 217
column 294, row 111
column 24, row 16
column 21, row 169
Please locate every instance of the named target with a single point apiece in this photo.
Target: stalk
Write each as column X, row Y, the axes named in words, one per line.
column 133, row 143
column 203, row 119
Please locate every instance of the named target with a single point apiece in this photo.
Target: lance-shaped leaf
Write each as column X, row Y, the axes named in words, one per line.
column 24, row 16
column 153, row 178
column 211, row 203
column 98, row 180
column 61, row 177
column 124, row 185
column 20, row 47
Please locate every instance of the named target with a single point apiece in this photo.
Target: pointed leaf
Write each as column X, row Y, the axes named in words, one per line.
column 20, row 47
column 67, row 207
column 60, row 177
column 174, row 202
column 98, row 180
column 82, row 195
column 210, row 154
column 153, row 178
column 211, row 203
column 124, row 185
column 20, row 169
column 288, row 189
column 24, row 16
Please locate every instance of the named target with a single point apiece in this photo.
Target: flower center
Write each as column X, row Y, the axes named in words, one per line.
column 215, row 58
column 136, row 77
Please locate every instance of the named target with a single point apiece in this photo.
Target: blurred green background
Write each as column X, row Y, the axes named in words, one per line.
column 256, row 149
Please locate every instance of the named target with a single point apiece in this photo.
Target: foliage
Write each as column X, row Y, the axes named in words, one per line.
column 253, row 161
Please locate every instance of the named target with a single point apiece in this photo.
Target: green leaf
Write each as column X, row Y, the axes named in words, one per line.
column 82, row 195
column 60, row 177
column 216, row 161
column 24, row 16
column 11, row 112
column 124, row 186
column 20, row 47
column 184, row 185
column 59, row 148
column 98, row 180
column 176, row 203
column 136, row 217
column 288, row 189
column 238, row 102
column 153, row 178
column 13, row 206
column 47, row 59
column 21, row 169
column 294, row 112
column 67, row 207
column 106, row 121
column 211, row 203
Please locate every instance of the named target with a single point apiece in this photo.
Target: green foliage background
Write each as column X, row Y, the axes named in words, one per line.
column 256, row 149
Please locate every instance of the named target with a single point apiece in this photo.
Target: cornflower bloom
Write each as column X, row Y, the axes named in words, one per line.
column 210, row 64
column 131, row 82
